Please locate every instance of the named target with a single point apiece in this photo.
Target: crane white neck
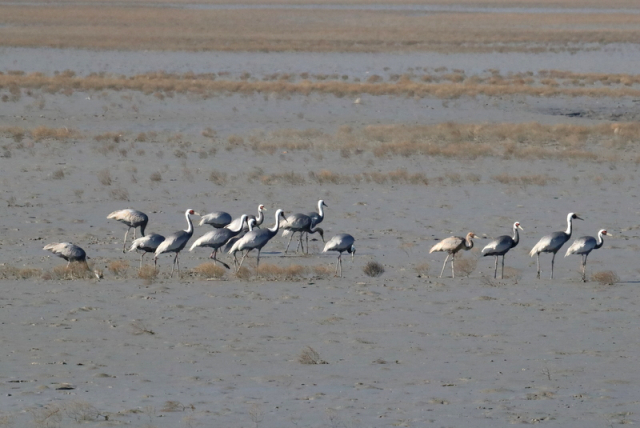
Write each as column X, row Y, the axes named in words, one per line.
column 569, row 224
column 188, row 216
column 321, row 209
column 243, row 218
column 260, row 217
column 516, row 234
column 468, row 243
column 600, row 239
column 276, row 226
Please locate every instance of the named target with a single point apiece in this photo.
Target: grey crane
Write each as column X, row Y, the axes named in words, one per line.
column 257, row 220
column 216, row 219
column 175, row 242
column 147, row 244
column 71, row 253
column 501, row 245
column 251, row 222
column 256, row 239
column 300, row 223
column 553, row 242
column 217, row 238
column 316, row 218
column 341, row 242
column 452, row 245
column 583, row 246
column 133, row 219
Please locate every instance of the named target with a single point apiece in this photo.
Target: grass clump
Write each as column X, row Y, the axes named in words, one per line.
column 373, row 269
column 310, row 356
column 118, row 267
column 147, row 272
column 13, row 272
column 210, row 270
column 606, row 277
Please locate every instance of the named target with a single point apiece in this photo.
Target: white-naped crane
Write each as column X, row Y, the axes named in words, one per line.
column 341, row 242
column 583, row 246
column 175, row 242
column 315, row 217
column 256, row 239
column 451, row 246
column 133, row 219
column 257, row 220
column 501, row 245
column 216, row 219
column 217, row 238
column 553, row 242
column 146, row 244
column 251, row 222
column 71, row 253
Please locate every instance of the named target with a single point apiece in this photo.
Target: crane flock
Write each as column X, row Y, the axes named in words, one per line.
column 243, row 234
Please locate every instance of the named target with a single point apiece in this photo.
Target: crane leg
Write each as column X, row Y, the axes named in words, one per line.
column 337, row 263
column 258, row 263
column 300, row 244
column 502, row 274
column 290, row 238
column 143, row 253
column 495, row 269
column 453, row 271
column 538, row 263
column 175, row 260
column 553, row 259
column 307, row 242
column 444, row 265
column 584, row 268
column 124, row 244
column 155, row 262
column 242, row 260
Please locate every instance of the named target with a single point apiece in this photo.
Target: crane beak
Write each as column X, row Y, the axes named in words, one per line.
column 520, row 227
column 609, row 234
column 197, row 213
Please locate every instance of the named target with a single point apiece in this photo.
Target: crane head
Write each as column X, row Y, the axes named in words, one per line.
column 261, row 208
column 517, row 224
column 352, row 250
column 575, row 216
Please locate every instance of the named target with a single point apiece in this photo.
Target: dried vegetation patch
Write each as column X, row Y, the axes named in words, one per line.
column 210, row 270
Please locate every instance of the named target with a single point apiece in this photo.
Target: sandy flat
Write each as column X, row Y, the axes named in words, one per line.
column 402, row 349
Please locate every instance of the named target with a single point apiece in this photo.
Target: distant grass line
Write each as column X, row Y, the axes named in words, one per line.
column 145, row 26
column 210, row 85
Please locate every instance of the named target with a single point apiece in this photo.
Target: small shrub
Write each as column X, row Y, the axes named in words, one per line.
column 210, row 270
column 104, row 176
column 310, row 356
column 422, row 269
column 243, row 273
column 323, row 271
column 58, row 174
column 606, row 277
column 147, row 272
column 156, row 176
column 120, row 194
column 373, row 269
column 12, row 272
column 217, row 177
column 118, row 267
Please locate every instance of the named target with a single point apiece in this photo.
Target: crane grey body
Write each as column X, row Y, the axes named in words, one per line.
column 175, row 242
column 216, row 219
column 341, row 242
column 452, row 245
column 315, row 219
column 300, row 223
column 236, row 223
column 583, row 246
column 553, row 242
column 146, row 244
column 251, row 222
column 68, row 251
column 500, row 246
column 217, row 238
column 133, row 219
column 256, row 239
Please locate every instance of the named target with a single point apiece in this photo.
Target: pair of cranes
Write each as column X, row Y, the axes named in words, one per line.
column 227, row 232
column 547, row 244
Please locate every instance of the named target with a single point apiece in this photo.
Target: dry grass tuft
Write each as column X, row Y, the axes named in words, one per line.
column 58, row 174
column 45, row 133
column 74, row 271
column 422, row 269
column 147, row 272
column 465, row 265
column 273, row 272
column 323, row 271
column 12, row 272
column 210, row 270
column 118, row 267
column 81, row 411
column 120, row 194
column 607, row 277
column 291, row 178
column 155, row 177
column 525, row 180
column 373, row 269
column 104, row 177
column 243, row 273
column 217, row 177
column 310, row 356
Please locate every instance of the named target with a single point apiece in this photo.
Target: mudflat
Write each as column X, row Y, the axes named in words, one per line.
column 406, row 147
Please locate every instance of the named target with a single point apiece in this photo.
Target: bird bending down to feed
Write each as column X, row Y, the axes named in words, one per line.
column 452, row 245
column 341, row 243
column 501, row 245
column 71, row 253
column 584, row 246
column 175, row 242
column 553, row 242
column 217, row 238
column 256, row 239
column 304, row 223
column 133, row 219
column 216, row 219
column 147, row 244
column 257, row 220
